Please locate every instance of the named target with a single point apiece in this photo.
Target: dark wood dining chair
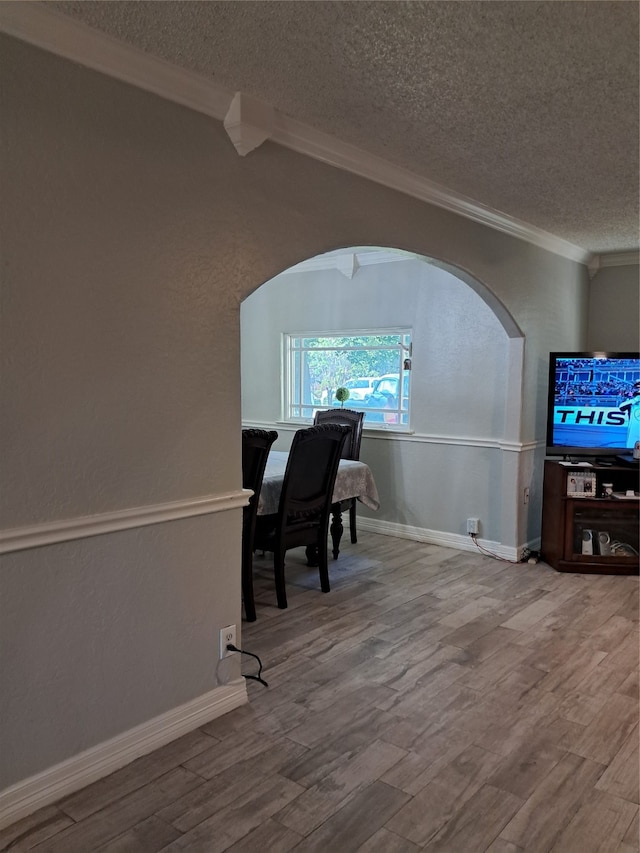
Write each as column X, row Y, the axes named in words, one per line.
column 305, row 502
column 256, row 444
column 351, row 450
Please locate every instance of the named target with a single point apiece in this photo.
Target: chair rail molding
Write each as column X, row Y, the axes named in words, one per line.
column 418, row 437
column 50, row 30
column 65, row 530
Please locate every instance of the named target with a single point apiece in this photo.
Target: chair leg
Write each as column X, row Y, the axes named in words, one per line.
column 352, row 522
column 278, row 571
column 247, row 582
column 323, row 563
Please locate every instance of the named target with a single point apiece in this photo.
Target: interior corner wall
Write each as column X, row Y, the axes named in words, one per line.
column 614, row 310
column 131, row 232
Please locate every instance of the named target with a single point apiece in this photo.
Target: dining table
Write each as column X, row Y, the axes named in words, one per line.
column 353, row 480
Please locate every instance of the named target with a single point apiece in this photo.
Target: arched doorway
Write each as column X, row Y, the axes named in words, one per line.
column 459, row 457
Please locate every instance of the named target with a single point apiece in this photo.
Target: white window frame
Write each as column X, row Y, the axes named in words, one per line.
column 295, row 410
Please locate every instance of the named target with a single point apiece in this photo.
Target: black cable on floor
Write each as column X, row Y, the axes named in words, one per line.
column 474, row 538
column 257, row 677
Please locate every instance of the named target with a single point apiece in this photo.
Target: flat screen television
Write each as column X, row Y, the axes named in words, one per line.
column 594, row 404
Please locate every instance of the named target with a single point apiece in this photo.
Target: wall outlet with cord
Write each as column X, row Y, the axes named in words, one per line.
column 473, row 526
column 227, row 638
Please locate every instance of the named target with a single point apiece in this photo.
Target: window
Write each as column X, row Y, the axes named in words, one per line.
column 373, row 366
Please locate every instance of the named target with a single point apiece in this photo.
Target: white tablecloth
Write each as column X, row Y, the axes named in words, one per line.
column 354, row 480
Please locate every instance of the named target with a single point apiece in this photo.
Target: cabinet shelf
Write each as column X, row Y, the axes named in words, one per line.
column 590, row 534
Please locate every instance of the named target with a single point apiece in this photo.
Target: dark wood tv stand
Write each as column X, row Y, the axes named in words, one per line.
column 570, row 522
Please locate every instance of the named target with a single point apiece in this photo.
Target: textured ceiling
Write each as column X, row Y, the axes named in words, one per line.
column 530, row 108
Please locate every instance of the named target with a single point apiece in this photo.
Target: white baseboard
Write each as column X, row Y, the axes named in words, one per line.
column 439, row 537
column 47, row 787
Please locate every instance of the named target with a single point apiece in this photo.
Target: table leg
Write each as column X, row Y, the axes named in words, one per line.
column 336, row 528
column 311, row 552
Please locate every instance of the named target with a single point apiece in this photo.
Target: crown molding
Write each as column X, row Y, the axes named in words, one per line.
column 248, row 123
column 48, row 29
column 292, row 134
column 619, row 259
column 334, row 260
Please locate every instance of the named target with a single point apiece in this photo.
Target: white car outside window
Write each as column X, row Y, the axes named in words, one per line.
column 359, row 389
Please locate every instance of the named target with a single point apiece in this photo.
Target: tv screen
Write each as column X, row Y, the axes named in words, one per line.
column 594, row 403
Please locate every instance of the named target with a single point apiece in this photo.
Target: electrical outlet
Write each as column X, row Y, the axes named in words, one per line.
column 473, row 525
column 227, row 636
column 525, row 499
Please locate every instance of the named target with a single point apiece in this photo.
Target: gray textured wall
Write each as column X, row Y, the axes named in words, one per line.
column 614, row 310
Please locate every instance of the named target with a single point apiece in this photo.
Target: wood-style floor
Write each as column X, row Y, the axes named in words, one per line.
column 434, row 700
